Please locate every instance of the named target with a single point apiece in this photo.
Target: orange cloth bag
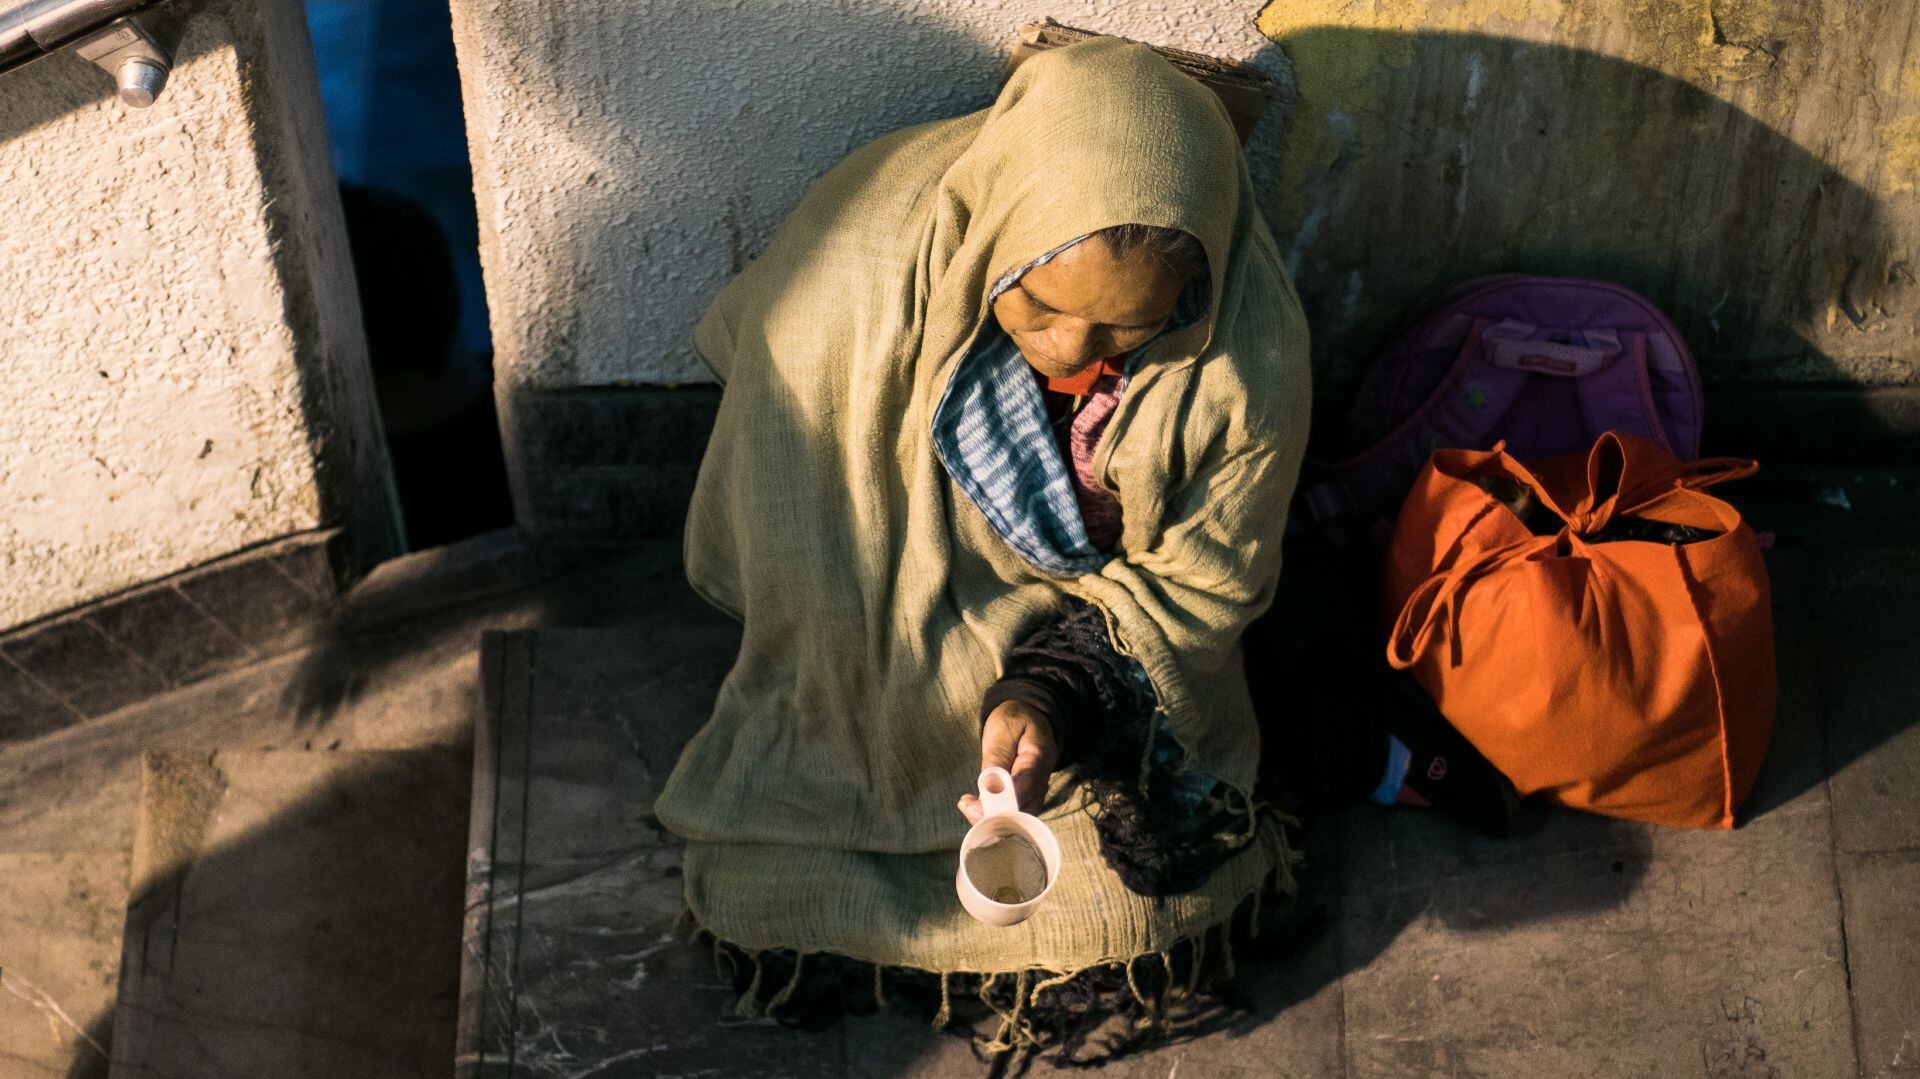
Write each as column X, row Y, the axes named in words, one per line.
column 1630, row 678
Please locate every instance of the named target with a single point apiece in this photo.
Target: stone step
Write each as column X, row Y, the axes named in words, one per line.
column 292, row 913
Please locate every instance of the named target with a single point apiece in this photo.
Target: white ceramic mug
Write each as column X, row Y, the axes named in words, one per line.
column 998, row 880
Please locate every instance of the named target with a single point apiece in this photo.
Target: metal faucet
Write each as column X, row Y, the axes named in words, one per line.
column 103, row 32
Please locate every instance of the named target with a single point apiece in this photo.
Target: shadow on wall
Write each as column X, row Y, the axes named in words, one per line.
column 55, row 85
column 629, row 193
column 1411, row 162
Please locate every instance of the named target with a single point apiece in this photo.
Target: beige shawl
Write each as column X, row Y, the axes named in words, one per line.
column 877, row 602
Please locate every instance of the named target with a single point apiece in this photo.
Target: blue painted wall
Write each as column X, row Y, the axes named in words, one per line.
column 392, row 96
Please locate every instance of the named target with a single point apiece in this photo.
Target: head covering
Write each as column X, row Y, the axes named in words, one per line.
column 992, row 433
column 876, row 596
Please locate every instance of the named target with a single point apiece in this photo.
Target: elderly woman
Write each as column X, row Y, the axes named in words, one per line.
column 1014, row 405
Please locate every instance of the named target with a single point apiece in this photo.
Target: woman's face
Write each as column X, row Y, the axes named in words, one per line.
column 1085, row 304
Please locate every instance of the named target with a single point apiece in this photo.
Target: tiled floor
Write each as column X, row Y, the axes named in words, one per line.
column 1584, row 947
column 164, row 634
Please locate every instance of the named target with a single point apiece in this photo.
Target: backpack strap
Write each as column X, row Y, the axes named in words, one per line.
column 1612, row 369
column 1325, row 501
column 1361, row 486
column 1624, row 389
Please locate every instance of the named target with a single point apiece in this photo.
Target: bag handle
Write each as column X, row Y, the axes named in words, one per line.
column 1440, row 594
column 1708, row 471
column 1413, row 630
column 1620, row 481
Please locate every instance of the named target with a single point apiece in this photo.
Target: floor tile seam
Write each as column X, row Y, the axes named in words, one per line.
column 56, row 697
column 246, row 647
column 8, row 1054
column 114, row 642
column 1821, row 697
column 24, row 988
column 266, row 666
column 299, row 586
column 530, row 664
column 488, row 715
column 1901, row 854
column 210, row 683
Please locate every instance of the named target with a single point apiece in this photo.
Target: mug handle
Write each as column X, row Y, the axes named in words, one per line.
column 996, row 792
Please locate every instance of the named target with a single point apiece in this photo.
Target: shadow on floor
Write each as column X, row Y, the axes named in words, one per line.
column 293, row 912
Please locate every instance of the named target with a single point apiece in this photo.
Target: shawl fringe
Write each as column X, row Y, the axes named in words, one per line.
column 1084, row 1016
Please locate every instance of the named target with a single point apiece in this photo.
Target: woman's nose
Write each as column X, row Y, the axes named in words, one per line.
column 1073, row 346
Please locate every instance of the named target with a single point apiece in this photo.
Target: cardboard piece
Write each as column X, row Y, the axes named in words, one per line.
column 1244, row 90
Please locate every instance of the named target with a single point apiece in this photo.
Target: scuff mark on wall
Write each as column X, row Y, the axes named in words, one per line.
column 1903, row 153
column 1733, row 60
column 737, row 255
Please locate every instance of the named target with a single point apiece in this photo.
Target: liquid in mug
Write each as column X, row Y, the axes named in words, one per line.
column 1007, row 869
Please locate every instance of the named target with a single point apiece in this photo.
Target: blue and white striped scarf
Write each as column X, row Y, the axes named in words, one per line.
column 992, row 435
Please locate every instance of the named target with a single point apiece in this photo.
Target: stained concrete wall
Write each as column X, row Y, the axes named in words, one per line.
column 181, row 365
column 1753, row 163
column 630, row 156
column 1750, row 164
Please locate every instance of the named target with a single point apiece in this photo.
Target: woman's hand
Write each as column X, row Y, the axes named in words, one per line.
column 1016, row 737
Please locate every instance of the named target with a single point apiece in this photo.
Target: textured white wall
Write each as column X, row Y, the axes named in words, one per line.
column 181, row 367
column 1751, row 164
column 630, row 155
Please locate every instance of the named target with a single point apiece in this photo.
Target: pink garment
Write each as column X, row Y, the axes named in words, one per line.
column 1098, row 508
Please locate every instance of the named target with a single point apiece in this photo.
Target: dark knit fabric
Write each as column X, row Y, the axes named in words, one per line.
column 1155, row 835
column 1070, row 673
column 1323, row 738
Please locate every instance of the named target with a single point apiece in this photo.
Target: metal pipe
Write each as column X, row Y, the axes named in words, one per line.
column 101, row 31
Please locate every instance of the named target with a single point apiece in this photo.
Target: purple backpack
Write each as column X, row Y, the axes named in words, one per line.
column 1547, row 364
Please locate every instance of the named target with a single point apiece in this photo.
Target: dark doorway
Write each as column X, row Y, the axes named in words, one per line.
column 391, row 90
